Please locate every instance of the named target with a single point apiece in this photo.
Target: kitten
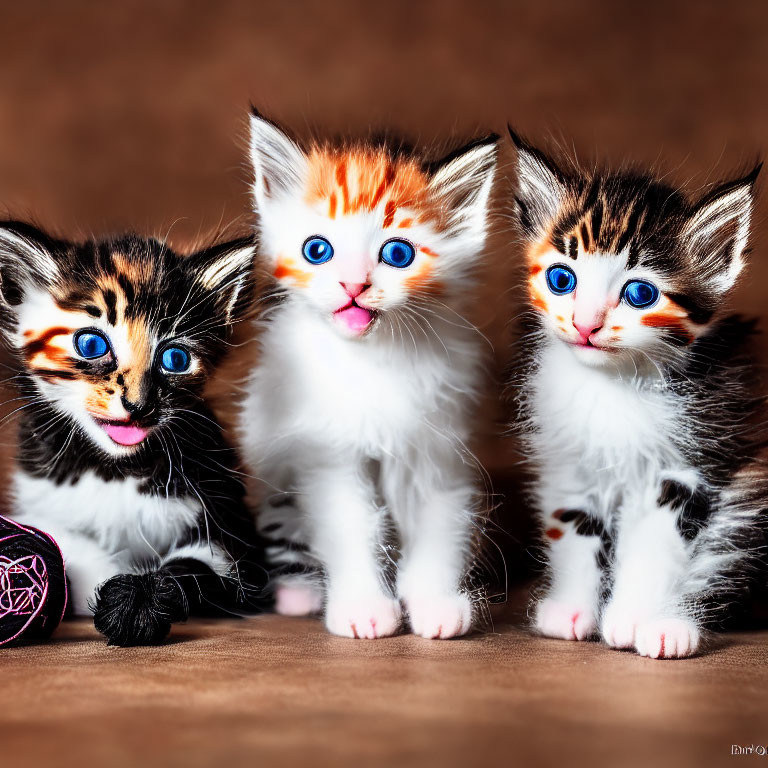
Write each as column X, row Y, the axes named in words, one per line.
column 359, row 410
column 118, row 458
column 639, row 403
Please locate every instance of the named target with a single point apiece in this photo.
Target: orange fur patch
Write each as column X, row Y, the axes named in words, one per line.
column 97, row 403
column 553, row 533
column 670, row 322
column 136, row 270
column 421, row 280
column 389, row 213
column 535, row 268
column 672, row 317
column 536, row 297
column 140, row 359
column 539, row 249
column 428, row 251
column 41, row 350
column 287, row 269
column 364, row 177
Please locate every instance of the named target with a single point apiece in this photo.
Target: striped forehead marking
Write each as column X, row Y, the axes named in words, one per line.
column 362, row 179
column 595, row 229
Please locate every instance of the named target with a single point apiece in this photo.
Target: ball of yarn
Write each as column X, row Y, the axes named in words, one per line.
column 33, row 588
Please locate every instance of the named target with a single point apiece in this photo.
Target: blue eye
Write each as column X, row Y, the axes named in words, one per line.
column 560, row 279
column 640, row 294
column 90, row 344
column 175, row 360
column 317, row 250
column 397, row 253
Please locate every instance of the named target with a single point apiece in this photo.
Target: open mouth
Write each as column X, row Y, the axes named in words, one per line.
column 123, row 432
column 354, row 318
column 587, row 345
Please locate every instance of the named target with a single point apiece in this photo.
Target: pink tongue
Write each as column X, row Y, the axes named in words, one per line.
column 125, row 435
column 355, row 318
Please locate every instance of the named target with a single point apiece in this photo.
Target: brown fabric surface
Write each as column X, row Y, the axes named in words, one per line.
column 272, row 691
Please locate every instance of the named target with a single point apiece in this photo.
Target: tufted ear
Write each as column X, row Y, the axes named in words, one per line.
column 541, row 188
column 462, row 182
column 717, row 231
column 26, row 260
column 225, row 270
column 279, row 164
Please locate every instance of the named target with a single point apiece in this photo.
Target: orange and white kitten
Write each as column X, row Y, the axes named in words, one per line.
column 358, row 413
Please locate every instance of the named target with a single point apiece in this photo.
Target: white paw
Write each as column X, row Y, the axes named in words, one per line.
column 619, row 627
column 440, row 616
column 298, row 600
column 671, row 638
column 566, row 621
column 363, row 617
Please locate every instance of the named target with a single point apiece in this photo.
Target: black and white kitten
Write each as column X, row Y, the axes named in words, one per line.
column 639, row 404
column 118, row 457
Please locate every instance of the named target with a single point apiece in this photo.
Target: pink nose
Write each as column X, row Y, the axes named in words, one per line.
column 353, row 290
column 587, row 329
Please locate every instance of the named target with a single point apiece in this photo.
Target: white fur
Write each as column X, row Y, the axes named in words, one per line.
column 606, row 430
column 370, row 430
column 33, row 257
column 705, row 230
column 108, row 527
column 278, row 162
column 321, row 410
column 605, row 439
column 468, row 177
column 539, row 186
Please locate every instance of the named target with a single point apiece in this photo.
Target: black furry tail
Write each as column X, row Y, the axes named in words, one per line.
column 139, row 609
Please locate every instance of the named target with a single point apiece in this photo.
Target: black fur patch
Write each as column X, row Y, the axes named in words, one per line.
column 185, row 455
column 584, row 523
column 693, row 507
column 294, row 546
column 110, row 299
column 138, row 609
column 698, row 312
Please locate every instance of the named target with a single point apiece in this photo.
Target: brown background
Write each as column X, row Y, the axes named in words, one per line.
column 133, row 115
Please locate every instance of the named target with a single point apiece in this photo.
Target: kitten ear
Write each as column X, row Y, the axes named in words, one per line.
column 541, row 188
column 279, row 164
column 462, row 182
column 26, row 260
column 717, row 231
column 225, row 271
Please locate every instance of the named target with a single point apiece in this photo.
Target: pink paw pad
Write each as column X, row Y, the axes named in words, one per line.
column 363, row 618
column 619, row 626
column 297, row 600
column 440, row 617
column 671, row 638
column 620, row 634
column 564, row 621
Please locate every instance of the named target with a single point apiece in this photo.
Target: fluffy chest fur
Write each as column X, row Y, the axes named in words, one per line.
column 365, row 393
column 610, row 434
column 115, row 513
